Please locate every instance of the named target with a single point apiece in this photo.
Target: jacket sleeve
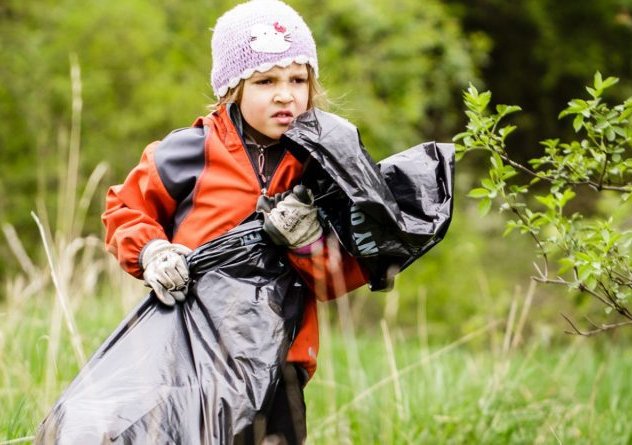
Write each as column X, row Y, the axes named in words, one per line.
column 136, row 212
column 328, row 270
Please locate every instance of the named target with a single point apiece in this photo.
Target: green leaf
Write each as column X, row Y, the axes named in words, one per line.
column 504, row 110
column 584, row 272
column 495, row 160
column 566, row 264
column 566, row 196
column 578, row 122
column 460, row 136
column 610, row 81
column 534, row 181
column 471, row 91
column 598, row 81
column 593, row 92
column 584, row 257
column 478, row 193
column 508, row 172
column 506, row 131
column 548, row 201
column 575, row 106
column 610, row 134
column 591, row 282
column 484, row 206
column 625, row 114
column 488, row 184
column 482, row 101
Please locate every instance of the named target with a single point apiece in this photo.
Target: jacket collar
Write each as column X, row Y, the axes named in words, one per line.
column 250, row 136
column 230, row 126
column 234, row 113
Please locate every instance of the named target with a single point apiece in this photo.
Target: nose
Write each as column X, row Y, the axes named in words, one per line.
column 283, row 94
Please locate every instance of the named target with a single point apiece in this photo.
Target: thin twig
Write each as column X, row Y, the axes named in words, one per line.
column 615, row 302
column 603, row 172
column 592, row 323
column 596, row 330
column 575, row 329
column 592, row 184
column 581, row 287
column 526, row 223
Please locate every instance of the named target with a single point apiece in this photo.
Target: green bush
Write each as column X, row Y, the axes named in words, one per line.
column 584, row 251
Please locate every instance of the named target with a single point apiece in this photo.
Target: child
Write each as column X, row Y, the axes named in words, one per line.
column 202, row 181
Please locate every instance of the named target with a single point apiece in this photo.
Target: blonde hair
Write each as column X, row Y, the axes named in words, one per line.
column 316, row 98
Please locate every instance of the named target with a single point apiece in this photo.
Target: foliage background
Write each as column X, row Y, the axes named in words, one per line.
column 396, row 69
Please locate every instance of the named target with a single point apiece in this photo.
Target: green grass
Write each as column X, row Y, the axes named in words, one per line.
column 579, row 393
column 381, row 386
column 443, row 374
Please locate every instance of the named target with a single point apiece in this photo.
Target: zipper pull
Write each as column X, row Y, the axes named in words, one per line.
column 261, row 161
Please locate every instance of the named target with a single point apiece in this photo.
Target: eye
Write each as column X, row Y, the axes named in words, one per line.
column 300, row 79
column 263, row 81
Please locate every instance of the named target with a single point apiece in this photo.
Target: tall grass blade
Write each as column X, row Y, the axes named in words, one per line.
column 524, row 314
column 62, row 297
column 69, row 172
column 392, row 364
column 18, row 440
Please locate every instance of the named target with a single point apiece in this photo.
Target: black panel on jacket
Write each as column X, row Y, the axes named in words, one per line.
column 180, row 160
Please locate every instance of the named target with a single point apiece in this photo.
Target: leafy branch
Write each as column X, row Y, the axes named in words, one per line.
column 587, row 253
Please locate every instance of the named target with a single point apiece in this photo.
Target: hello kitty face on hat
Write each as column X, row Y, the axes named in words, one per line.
column 270, row 38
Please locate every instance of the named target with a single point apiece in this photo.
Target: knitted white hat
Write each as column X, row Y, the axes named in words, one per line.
column 256, row 36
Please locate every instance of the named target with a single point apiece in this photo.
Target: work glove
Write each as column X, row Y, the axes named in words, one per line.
column 290, row 218
column 165, row 270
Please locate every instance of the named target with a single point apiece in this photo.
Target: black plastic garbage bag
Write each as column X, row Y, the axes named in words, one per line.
column 196, row 373
column 199, row 372
column 387, row 214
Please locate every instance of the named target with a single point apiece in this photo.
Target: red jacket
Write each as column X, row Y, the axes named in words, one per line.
column 197, row 184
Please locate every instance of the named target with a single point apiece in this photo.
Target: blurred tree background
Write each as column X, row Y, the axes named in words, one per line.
column 396, row 68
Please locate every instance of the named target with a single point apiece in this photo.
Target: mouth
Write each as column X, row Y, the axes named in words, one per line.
column 283, row 113
column 283, row 117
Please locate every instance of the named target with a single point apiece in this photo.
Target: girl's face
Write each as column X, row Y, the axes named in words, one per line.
column 270, row 101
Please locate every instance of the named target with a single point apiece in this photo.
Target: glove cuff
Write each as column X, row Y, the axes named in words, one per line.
column 310, row 238
column 157, row 246
column 151, row 250
column 310, row 248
